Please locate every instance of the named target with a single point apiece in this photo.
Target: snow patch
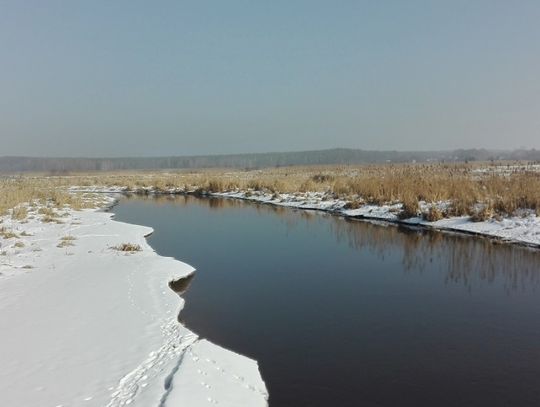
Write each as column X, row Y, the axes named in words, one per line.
column 84, row 325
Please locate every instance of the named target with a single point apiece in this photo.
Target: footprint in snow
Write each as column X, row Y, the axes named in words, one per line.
column 205, row 385
column 202, row 372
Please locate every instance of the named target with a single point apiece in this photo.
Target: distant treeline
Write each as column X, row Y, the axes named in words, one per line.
column 252, row 161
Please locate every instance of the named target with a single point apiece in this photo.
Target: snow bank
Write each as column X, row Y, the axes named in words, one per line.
column 84, row 324
column 523, row 229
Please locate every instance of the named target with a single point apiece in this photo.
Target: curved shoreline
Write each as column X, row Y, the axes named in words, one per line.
column 180, row 385
column 453, row 225
column 107, row 326
column 516, row 230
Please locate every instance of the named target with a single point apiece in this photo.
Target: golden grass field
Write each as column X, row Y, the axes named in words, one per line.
column 481, row 190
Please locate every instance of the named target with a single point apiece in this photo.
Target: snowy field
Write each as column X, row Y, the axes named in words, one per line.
column 85, row 324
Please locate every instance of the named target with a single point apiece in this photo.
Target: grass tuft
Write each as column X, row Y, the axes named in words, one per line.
column 410, row 208
column 433, row 214
column 8, row 234
column 127, row 247
column 66, row 241
column 19, row 213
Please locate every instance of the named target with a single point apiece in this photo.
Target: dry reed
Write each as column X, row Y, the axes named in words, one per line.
column 507, row 187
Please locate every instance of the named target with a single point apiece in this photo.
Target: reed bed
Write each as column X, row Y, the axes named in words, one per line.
column 479, row 190
column 18, row 194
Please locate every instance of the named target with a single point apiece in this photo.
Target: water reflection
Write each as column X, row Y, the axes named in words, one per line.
column 463, row 259
column 347, row 312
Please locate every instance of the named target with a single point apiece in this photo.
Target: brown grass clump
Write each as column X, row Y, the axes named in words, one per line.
column 255, row 185
column 353, row 204
column 19, row 213
column 66, row 241
column 215, row 186
column 482, row 214
column 8, row 234
column 322, row 178
column 51, row 219
column 49, row 215
column 340, row 188
column 128, row 247
column 409, row 209
column 47, row 211
column 68, row 238
column 307, row 186
column 461, row 206
column 433, row 214
column 63, row 244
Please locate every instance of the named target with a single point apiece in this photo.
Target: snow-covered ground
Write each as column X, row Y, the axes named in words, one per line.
column 83, row 324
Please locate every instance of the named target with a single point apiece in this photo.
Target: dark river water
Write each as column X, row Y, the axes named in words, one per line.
column 350, row 313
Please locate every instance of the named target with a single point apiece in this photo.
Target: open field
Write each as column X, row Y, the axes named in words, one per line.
column 480, row 190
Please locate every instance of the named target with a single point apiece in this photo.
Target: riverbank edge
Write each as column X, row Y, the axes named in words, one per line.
column 517, row 230
column 412, row 223
column 180, row 346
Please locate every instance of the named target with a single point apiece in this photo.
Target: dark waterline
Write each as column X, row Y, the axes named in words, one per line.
column 348, row 313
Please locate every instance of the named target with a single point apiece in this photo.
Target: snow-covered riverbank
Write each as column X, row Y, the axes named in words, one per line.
column 523, row 229
column 84, row 324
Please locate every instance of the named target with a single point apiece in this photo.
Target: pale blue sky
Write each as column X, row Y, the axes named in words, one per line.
column 102, row 78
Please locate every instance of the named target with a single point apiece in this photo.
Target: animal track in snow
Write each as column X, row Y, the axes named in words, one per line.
column 130, row 385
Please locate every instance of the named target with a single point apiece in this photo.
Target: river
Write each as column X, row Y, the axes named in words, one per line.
column 349, row 313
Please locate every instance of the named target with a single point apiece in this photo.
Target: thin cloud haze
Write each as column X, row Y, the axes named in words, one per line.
column 181, row 78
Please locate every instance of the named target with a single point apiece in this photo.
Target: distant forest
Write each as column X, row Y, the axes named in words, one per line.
column 254, row 161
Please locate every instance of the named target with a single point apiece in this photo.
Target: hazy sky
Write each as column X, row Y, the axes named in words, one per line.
column 102, row 78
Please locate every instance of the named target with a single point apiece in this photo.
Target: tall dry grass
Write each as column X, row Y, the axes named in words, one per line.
column 501, row 189
column 462, row 185
column 19, row 191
